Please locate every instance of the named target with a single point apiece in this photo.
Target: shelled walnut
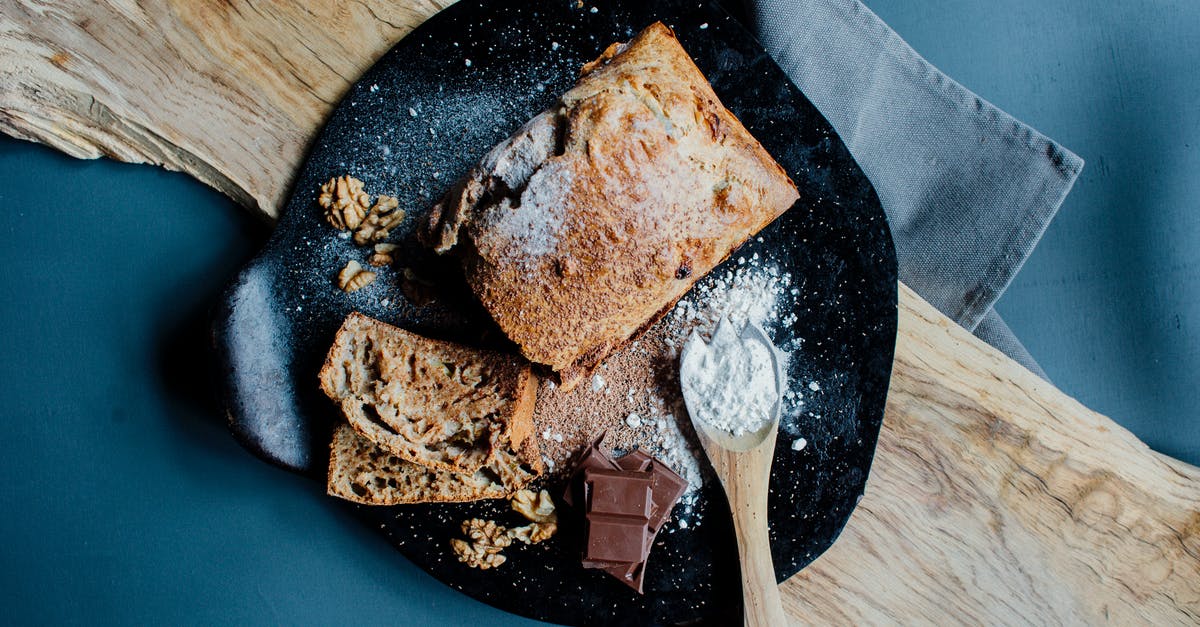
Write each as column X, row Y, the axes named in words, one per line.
column 533, row 532
column 538, row 508
column 353, row 277
column 382, row 255
column 348, row 208
column 476, row 555
column 380, row 220
column 344, row 201
column 487, row 540
column 487, row 533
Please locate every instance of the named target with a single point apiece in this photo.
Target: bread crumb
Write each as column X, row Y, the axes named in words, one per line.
column 798, row 444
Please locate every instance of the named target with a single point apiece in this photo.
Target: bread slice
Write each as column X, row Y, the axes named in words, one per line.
column 590, row 221
column 436, row 404
column 362, row 472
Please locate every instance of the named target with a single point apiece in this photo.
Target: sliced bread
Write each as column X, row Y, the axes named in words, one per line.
column 362, row 472
column 436, row 404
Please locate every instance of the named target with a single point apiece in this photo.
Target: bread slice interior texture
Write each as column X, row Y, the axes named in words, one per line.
column 363, row 472
column 436, row 404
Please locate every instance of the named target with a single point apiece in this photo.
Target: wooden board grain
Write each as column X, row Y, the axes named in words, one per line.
column 994, row 497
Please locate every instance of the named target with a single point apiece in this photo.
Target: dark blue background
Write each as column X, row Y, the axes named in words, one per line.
column 125, row 500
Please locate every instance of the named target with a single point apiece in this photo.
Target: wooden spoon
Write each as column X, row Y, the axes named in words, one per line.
column 743, row 464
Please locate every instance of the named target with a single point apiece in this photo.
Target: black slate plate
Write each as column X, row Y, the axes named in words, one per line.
column 418, row 120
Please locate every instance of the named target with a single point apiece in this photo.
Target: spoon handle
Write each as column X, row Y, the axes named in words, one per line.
column 746, row 486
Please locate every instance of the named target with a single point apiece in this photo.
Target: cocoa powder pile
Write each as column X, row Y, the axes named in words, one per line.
column 633, row 400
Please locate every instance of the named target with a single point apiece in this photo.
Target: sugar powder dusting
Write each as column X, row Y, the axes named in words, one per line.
column 634, row 398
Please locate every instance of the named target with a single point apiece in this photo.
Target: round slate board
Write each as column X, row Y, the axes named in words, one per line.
column 413, row 124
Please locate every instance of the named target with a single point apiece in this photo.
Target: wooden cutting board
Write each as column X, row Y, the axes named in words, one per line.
column 994, row 498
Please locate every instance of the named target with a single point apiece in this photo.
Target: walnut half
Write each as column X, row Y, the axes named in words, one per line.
column 476, row 555
column 344, row 201
column 353, row 277
column 538, row 508
column 382, row 255
column 379, row 222
column 533, row 532
column 487, row 540
column 486, row 533
column 348, row 208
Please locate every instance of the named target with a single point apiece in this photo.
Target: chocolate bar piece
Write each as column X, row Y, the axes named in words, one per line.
column 615, row 538
column 625, row 499
column 591, row 458
column 667, row 486
column 629, row 574
column 618, row 492
column 636, row 461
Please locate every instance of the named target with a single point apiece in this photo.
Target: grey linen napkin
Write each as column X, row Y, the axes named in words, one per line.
column 967, row 189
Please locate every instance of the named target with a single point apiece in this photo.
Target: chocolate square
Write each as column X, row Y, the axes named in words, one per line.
column 618, row 492
column 614, row 538
column 591, row 458
column 667, row 486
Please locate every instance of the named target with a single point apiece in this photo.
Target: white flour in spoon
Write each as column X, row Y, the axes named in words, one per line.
column 730, row 382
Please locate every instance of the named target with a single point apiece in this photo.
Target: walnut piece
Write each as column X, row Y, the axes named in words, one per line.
column 382, row 255
column 344, row 201
column 381, row 219
column 353, row 277
column 487, row 540
column 348, row 208
column 533, row 532
column 475, row 555
column 487, row 534
column 538, row 508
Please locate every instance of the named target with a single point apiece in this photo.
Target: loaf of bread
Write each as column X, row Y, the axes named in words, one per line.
column 588, row 223
column 363, row 472
column 436, row 404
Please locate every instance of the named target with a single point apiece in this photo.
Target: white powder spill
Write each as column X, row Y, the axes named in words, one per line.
column 257, row 345
column 681, row 454
column 535, row 225
column 747, row 294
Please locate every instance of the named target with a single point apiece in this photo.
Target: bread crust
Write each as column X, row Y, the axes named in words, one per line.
column 598, row 214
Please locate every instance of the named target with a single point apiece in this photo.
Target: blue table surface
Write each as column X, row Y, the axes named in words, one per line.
column 126, row 501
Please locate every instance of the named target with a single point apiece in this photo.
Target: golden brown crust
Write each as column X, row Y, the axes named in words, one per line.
column 601, row 212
